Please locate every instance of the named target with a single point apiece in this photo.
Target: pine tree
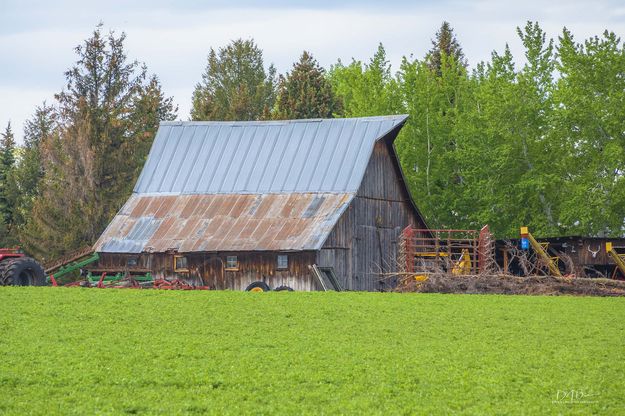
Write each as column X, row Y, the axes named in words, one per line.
column 445, row 45
column 235, row 85
column 7, row 168
column 30, row 168
column 108, row 115
column 306, row 93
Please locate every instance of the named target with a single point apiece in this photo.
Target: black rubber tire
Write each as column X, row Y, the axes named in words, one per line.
column 3, row 265
column 258, row 287
column 283, row 288
column 22, row 271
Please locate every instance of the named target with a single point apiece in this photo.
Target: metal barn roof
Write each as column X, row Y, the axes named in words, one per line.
column 320, row 155
column 190, row 223
column 245, row 186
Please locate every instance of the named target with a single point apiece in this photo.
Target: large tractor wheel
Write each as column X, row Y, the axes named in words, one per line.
column 258, row 287
column 3, row 266
column 22, row 271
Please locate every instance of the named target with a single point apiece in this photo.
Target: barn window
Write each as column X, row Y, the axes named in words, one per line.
column 132, row 262
column 181, row 264
column 232, row 263
column 283, row 262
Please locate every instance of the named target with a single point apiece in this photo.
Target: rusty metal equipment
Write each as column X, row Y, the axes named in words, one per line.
column 459, row 252
column 81, row 258
column 551, row 262
column 618, row 258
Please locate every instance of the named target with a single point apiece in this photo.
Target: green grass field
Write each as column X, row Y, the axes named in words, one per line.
column 90, row 351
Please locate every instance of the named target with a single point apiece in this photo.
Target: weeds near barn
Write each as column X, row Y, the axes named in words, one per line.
column 73, row 351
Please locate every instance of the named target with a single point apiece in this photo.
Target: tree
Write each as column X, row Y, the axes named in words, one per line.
column 235, row 85
column 589, row 121
column 150, row 106
column 306, row 93
column 7, row 179
column 30, row 168
column 432, row 145
column 107, row 117
column 366, row 89
column 445, row 44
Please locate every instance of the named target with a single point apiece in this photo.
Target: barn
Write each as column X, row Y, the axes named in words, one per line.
column 304, row 204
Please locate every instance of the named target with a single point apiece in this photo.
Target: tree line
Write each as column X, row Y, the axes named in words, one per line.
column 540, row 143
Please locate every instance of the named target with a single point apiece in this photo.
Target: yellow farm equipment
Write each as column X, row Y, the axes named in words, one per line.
column 541, row 251
column 619, row 259
column 457, row 252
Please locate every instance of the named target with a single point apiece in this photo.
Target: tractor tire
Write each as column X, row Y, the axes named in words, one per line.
column 22, row 271
column 283, row 288
column 3, row 265
column 258, row 287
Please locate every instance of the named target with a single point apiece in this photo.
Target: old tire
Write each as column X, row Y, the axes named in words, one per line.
column 283, row 288
column 3, row 266
column 22, row 271
column 258, row 287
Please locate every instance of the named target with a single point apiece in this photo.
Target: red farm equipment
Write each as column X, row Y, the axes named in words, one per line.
column 16, row 269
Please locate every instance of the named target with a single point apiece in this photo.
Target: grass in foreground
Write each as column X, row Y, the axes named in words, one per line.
column 89, row 351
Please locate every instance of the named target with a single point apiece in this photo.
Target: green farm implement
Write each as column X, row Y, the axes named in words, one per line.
column 79, row 261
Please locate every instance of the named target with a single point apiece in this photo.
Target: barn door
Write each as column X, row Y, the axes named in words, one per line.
column 213, row 273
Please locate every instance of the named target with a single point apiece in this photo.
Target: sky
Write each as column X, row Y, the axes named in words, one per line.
column 37, row 38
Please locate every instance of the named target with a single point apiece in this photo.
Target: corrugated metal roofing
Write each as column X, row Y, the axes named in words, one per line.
column 188, row 223
column 320, row 155
column 245, row 186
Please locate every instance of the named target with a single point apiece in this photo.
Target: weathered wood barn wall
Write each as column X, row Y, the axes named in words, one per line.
column 362, row 247
column 208, row 269
column 327, row 193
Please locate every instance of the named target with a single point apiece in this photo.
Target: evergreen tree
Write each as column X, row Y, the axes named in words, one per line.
column 30, row 168
column 306, row 93
column 107, row 118
column 150, row 107
column 445, row 44
column 235, row 85
column 7, row 168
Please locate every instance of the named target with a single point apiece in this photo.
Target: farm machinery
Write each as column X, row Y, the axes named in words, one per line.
column 423, row 252
column 16, row 269
column 78, row 260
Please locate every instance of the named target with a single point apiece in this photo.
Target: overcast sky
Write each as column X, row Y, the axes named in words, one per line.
column 173, row 37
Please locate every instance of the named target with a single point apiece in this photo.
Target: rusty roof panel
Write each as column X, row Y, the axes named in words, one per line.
column 289, row 222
